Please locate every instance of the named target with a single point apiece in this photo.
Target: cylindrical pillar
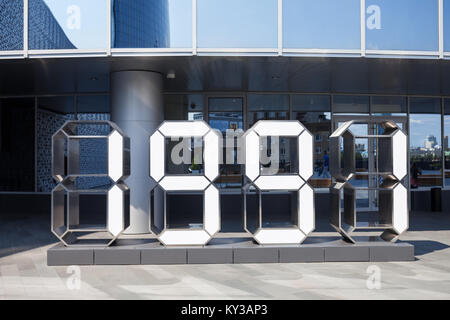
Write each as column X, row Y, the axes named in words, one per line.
column 137, row 108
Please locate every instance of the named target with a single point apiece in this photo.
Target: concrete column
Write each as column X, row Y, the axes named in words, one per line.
column 137, row 108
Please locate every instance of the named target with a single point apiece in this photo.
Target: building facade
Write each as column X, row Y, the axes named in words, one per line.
column 229, row 63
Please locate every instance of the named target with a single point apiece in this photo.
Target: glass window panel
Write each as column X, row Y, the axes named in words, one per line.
column 447, row 25
column 11, row 25
column 389, row 105
column 52, row 113
column 267, row 107
column 93, row 104
column 425, row 105
column 151, row 24
column 183, row 107
column 313, row 111
column 425, row 142
column 260, row 102
column 225, row 104
column 321, row 24
column 402, row 25
column 446, row 135
column 226, row 115
column 67, row 24
column 311, row 103
column 237, row 23
column 351, row 104
column 17, row 148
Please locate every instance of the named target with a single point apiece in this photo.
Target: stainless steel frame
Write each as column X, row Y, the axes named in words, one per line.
column 391, row 168
column 65, row 214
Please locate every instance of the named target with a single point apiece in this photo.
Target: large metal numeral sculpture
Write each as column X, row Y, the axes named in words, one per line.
column 76, row 139
column 390, row 212
column 176, row 183
column 301, row 194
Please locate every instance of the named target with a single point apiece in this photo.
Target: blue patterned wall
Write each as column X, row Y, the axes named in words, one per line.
column 93, row 153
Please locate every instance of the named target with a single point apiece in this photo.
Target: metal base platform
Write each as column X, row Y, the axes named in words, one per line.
column 228, row 251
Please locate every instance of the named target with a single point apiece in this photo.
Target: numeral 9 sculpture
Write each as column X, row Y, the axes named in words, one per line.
column 387, row 207
column 83, row 141
column 268, row 189
column 169, row 183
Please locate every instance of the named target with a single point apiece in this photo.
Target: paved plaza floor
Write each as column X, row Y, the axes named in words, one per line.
column 24, row 273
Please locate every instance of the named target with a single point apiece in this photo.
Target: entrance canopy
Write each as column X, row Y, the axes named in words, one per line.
column 194, row 73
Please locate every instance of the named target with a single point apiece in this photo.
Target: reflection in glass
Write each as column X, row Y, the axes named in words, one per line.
column 425, row 142
column 51, row 114
column 321, row 24
column 313, row 111
column 151, row 24
column 237, row 23
column 226, row 115
column 11, row 25
column 267, row 107
column 351, row 104
column 446, row 25
column 281, row 160
column 183, row 107
column 446, row 135
column 140, row 24
column 184, row 156
column 402, row 25
column 93, row 104
column 65, row 24
column 385, row 106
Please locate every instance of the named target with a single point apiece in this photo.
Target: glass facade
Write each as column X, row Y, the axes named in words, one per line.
column 408, row 26
column 445, row 147
column 267, row 107
column 230, row 24
column 140, row 24
column 425, row 141
column 226, row 114
column 351, row 104
column 11, row 25
column 402, row 25
column 428, row 140
column 389, row 106
column 314, row 111
column 446, row 23
column 321, row 24
column 63, row 24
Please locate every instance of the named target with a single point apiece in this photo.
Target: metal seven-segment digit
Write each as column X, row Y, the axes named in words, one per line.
column 90, row 159
column 379, row 185
column 169, row 184
column 283, row 194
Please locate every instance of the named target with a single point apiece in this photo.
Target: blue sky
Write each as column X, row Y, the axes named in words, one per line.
column 422, row 125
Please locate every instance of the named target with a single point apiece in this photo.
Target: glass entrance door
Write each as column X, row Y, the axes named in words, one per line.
column 226, row 114
column 366, row 151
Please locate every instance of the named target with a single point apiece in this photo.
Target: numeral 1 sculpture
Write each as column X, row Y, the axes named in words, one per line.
column 76, row 149
column 387, row 207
